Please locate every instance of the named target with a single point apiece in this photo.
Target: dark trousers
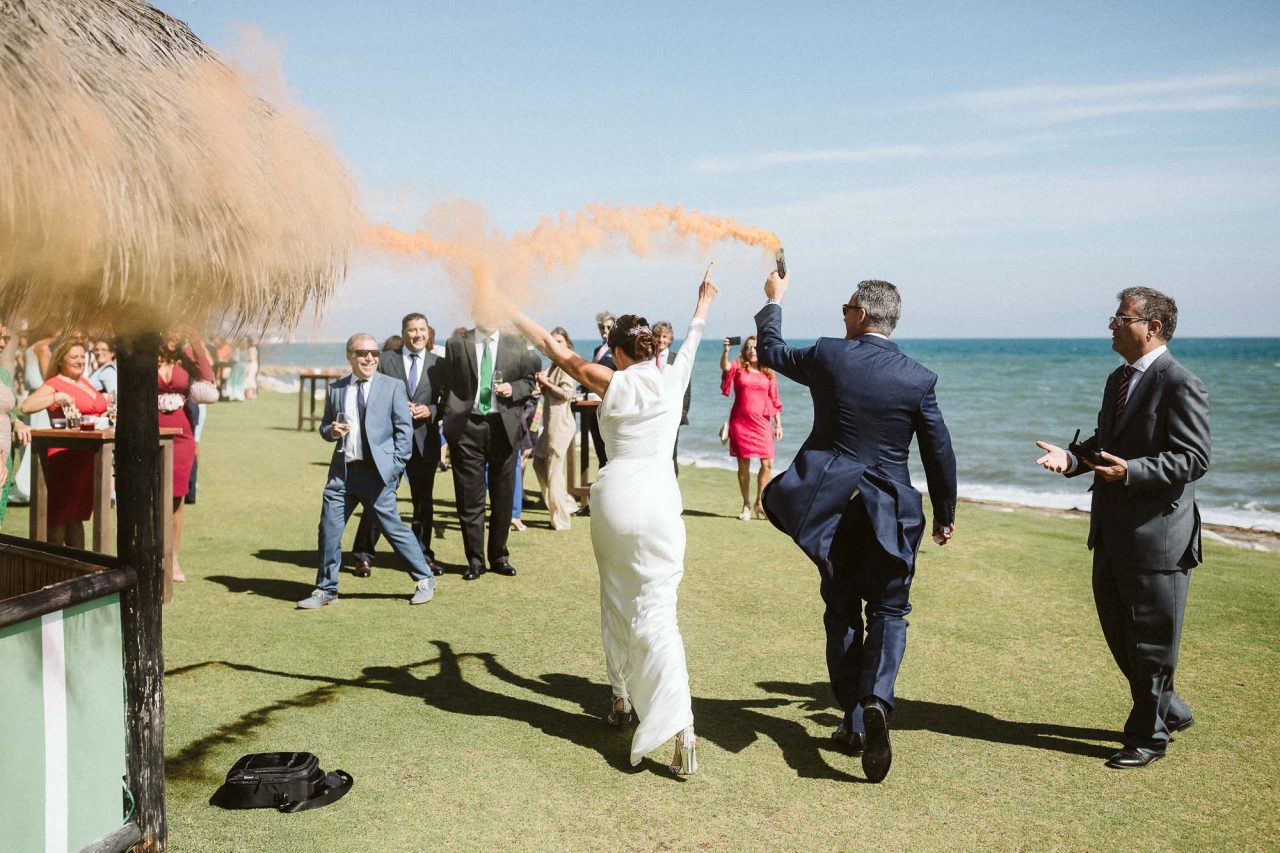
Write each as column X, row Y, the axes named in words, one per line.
column 1141, row 616
column 483, row 440
column 864, row 655
column 421, row 473
column 675, row 451
column 592, row 427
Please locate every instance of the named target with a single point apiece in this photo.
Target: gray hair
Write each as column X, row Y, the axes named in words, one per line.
column 882, row 303
column 603, row 316
column 663, row 326
column 1153, row 305
column 361, row 336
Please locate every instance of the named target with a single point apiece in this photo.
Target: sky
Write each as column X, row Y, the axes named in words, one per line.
column 1009, row 166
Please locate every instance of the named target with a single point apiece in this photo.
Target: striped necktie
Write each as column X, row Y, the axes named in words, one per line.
column 1122, row 391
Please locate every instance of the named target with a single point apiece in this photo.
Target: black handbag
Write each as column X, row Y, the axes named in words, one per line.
column 286, row 781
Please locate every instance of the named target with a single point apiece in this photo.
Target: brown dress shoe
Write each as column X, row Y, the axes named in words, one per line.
column 362, row 569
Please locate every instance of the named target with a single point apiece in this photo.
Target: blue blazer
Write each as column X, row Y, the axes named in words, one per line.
column 387, row 423
column 869, row 399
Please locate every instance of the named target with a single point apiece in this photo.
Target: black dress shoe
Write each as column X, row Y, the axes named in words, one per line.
column 877, row 755
column 1182, row 726
column 503, row 569
column 1133, row 757
column 436, row 568
column 852, row 742
column 472, row 573
column 362, row 569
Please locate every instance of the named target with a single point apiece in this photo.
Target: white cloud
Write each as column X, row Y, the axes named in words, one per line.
column 1257, row 88
column 975, row 149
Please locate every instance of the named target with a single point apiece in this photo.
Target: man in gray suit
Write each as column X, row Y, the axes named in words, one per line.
column 1151, row 445
column 369, row 413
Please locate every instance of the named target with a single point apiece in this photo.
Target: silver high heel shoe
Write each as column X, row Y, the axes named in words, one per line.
column 685, row 760
column 620, row 713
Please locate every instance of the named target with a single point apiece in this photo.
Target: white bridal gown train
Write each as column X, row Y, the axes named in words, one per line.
column 638, row 538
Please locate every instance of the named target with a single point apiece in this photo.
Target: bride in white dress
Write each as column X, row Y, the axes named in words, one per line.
column 636, row 529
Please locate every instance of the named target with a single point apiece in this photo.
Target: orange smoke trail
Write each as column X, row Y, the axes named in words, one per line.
column 486, row 259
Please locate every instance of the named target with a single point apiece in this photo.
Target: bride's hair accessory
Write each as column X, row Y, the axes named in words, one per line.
column 632, row 334
column 639, row 330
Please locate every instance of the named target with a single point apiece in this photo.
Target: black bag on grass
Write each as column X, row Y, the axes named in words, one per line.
column 287, row 781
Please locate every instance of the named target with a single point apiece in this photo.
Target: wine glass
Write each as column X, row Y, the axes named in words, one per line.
column 341, row 418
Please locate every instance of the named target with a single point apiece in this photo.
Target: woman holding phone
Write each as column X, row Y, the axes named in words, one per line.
column 755, row 420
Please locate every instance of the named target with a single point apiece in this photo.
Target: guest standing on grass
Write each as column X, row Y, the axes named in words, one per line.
column 11, row 428
column 848, row 502
column 556, row 438
column 413, row 364
column 488, row 374
column 1151, row 445
column 755, row 419
column 367, row 413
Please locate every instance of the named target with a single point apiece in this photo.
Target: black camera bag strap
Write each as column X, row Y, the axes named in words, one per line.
column 336, row 784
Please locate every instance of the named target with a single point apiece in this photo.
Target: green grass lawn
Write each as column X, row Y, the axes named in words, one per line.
column 474, row 721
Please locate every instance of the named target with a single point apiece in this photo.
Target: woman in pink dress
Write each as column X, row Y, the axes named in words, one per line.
column 754, row 421
column 183, row 360
column 69, row 473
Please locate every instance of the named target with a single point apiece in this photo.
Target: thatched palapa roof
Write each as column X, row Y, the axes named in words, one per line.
column 142, row 179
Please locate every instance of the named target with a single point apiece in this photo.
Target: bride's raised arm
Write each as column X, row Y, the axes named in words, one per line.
column 594, row 377
column 683, row 362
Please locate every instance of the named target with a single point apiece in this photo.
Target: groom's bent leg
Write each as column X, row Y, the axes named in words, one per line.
column 885, row 584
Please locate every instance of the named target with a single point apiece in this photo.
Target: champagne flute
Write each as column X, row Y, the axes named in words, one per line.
column 497, row 380
column 341, row 418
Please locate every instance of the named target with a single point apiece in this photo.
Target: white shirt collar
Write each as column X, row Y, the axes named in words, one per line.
column 1143, row 363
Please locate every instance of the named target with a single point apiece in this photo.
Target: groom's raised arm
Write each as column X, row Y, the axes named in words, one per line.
column 772, row 350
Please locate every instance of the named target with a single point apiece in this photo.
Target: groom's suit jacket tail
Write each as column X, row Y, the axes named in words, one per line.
column 869, row 399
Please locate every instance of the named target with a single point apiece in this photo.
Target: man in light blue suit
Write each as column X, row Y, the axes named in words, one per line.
column 368, row 414
column 848, row 502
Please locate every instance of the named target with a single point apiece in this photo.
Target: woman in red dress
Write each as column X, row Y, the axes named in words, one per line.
column 183, row 360
column 69, row 473
column 754, row 421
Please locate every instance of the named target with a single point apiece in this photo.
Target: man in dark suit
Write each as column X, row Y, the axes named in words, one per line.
column 488, row 374
column 368, row 414
column 420, row 371
column 848, row 502
column 600, row 355
column 1151, row 445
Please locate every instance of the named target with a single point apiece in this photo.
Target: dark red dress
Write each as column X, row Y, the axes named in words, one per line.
column 184, row 444
column 70, row 472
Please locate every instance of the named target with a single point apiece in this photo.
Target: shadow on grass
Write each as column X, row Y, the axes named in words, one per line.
column 959, row 721
column 282, row 589
column 731, row 724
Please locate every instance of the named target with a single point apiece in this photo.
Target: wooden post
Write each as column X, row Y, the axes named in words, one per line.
column 140, row 544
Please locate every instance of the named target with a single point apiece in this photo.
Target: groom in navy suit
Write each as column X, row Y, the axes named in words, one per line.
column 847, row 499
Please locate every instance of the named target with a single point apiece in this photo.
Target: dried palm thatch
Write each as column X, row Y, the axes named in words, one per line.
column 142, row 182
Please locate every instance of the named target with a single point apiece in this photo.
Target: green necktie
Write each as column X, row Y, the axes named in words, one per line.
column 485, row 395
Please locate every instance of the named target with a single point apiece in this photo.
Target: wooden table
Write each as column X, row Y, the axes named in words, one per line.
column 101, row 443
column 307, row 380
column 581, row 471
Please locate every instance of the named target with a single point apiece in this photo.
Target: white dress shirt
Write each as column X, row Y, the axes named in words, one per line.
column 480, row 341
column 353, row 446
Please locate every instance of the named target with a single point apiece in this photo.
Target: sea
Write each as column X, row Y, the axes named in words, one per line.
column 998, row 397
